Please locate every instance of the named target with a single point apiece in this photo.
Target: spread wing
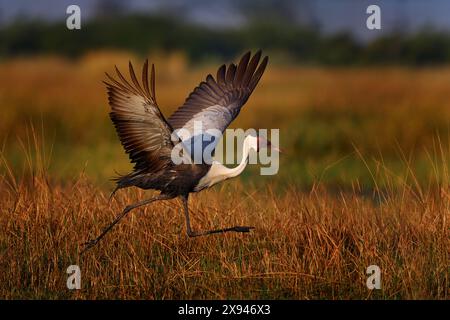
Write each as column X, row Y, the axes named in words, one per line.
column 140, row 125
column 215, row 103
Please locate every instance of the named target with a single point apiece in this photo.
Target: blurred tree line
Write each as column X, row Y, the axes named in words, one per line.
column 297, row 43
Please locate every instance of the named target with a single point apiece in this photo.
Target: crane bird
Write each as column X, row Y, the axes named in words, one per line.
column 147, row 136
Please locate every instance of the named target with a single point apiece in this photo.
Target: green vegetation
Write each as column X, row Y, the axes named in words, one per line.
column 294, row 43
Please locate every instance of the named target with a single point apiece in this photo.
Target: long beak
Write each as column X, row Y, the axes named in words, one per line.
column 268, row 144
column 277, row 149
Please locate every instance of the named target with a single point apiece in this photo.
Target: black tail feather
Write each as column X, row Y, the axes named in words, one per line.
column 122, row 181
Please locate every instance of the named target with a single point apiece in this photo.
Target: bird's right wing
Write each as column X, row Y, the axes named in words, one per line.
column 215, row 103
column 140, row 125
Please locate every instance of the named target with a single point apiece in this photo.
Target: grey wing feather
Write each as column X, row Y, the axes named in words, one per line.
column 217, row 102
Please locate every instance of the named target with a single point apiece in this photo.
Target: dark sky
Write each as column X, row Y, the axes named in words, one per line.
column 329, row 15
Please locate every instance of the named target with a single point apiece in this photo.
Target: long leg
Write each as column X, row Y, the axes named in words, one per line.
column 202, row 233
column 92, row 243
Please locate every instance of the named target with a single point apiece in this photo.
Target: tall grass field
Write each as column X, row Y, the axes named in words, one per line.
column 364, row 181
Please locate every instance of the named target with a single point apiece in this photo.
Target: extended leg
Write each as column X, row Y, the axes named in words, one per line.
column 202, row 233
column 127, row 209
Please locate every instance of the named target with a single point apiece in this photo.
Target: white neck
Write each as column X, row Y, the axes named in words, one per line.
column 219, row 172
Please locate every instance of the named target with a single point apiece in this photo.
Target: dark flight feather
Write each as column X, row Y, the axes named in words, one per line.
column 140, row 125
column 230, row 90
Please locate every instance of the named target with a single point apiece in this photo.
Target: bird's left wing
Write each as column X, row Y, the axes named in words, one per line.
column 140, row 125
column 215, row 103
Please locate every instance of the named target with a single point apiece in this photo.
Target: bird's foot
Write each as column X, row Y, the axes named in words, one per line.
column 242, row 229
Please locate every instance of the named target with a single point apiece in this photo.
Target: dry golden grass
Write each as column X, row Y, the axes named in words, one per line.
column 74, row 89
column 305, row 245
